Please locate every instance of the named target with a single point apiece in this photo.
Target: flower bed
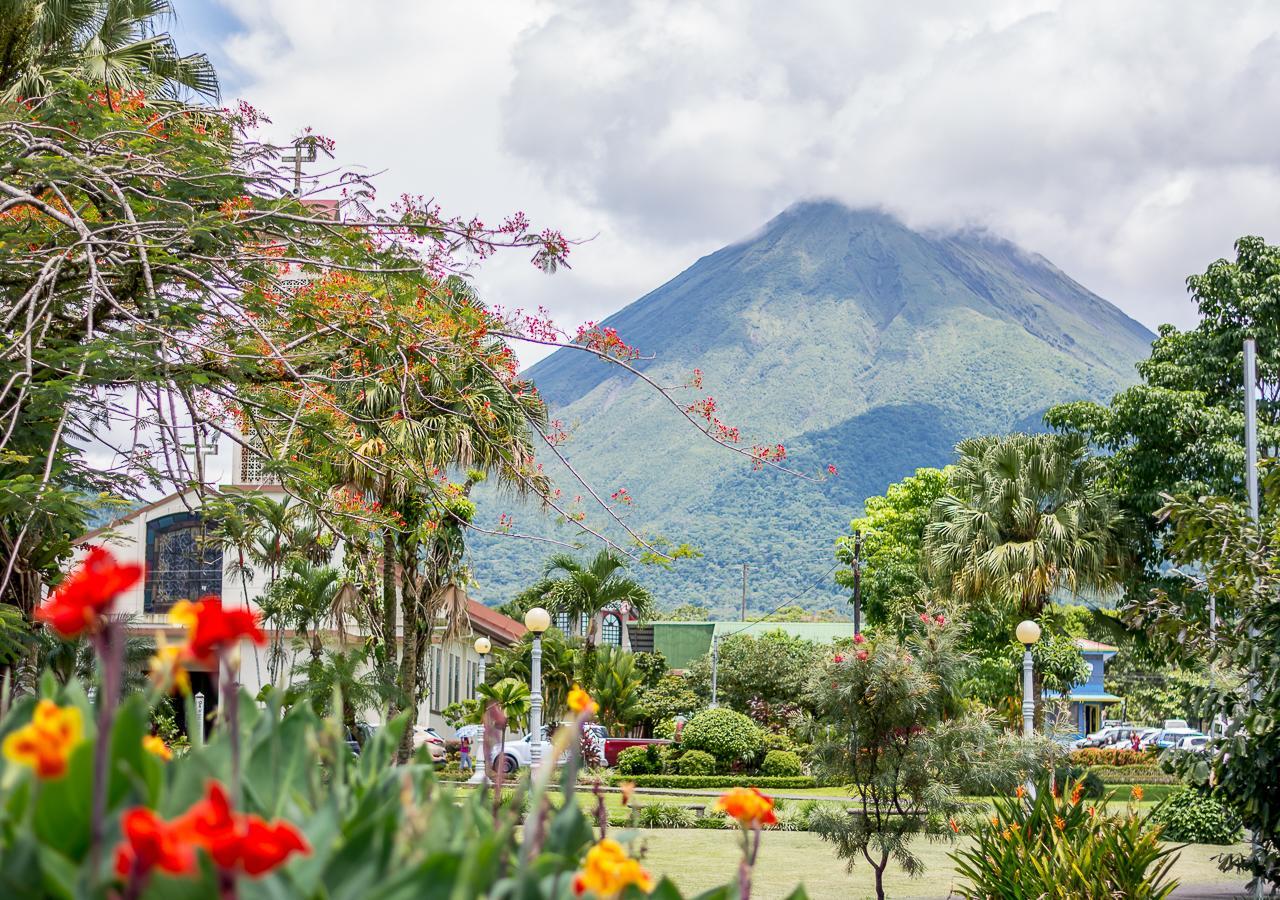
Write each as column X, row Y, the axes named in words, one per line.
column 1109, row 756
column 714, row 781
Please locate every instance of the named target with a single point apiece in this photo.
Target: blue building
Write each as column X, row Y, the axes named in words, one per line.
column 1089, row 700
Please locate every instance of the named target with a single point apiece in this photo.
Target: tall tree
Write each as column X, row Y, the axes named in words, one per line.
column 587, row 589
column 1024, row 516
column 116, row 45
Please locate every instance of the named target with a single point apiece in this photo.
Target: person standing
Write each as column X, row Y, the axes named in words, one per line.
column 464, row 754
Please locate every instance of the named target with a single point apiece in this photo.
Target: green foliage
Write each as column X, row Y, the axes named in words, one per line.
column 774, row 667
column 892, row 543
column 685, row 612
column 781, row 764
column 672, row 696
column 1054, row 847
column 463, row 712
column 727, row 735
column 639, row 761
column 1192, row 816
column 778, row 740
column 617, row 686
column 1143, row 775
column 664, row 815
column 511, row 696
column 588, row 588
column 699, row 762
column 714, row 781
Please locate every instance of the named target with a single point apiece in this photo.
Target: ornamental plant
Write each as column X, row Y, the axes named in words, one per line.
column 1196, row 817
column 729, row 736
column 272, row 804
column 1058, row 845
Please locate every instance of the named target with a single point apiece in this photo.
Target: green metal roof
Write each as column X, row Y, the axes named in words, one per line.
column 682, row 643
column 1087, row 697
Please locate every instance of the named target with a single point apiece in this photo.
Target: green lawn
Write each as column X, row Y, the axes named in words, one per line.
column 696, row 859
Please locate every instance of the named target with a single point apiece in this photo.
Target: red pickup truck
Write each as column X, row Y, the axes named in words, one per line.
column 615, row 745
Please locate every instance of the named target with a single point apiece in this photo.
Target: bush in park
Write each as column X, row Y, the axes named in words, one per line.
column 729, row 736
column 664, row 815
column 638, row 761
column 782, row 764
column 1061, row 845
column 696, row 762
column 273, row 803
column 1108, row 756
column 1192, row 816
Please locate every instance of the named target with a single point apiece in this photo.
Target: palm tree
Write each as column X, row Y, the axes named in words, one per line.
column 616, row 688
column 114, row 44
column 344, row 672
column 588, row 590
column 306, row 598
column 1024, row 516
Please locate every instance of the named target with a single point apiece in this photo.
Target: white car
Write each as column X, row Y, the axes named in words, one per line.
column 1196, row 743
column 428, row 737
column 515, row 755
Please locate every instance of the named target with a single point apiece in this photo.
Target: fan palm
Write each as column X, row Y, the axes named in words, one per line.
column 587, row 590
column 1023, row 516
column 115, row 44
column 346, row 674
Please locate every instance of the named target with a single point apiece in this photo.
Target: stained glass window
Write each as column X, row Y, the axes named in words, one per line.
column 183, row 563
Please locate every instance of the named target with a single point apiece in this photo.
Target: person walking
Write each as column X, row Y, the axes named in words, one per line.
column 464, row 754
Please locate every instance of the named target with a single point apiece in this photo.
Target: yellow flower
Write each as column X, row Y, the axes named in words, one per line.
column 580, row 702
column 46, row 742
column 750, row 807
column 166, row 668
column 995, row 822
column 1136, row 792
column 155, row 744
column 607, row 870
column 1060, row 822
column 183, row 613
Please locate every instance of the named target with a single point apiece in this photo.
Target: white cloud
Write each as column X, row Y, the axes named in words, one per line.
column 1129, row 143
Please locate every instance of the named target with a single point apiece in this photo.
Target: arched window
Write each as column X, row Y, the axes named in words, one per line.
column 182, row 562
column 584, row 624
column 611, row 630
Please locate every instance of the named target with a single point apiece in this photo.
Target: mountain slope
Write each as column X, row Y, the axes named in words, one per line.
column 842, row 334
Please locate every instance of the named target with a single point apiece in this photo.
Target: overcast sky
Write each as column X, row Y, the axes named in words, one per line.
column 1130, row 143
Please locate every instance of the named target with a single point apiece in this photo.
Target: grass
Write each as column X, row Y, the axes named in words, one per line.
column 700, row 859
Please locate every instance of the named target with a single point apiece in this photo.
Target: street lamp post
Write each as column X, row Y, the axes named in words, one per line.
column 483, row 647
column 537, row 620
column 1028, row 633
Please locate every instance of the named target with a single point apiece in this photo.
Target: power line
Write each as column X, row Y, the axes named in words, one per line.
column 784, row 603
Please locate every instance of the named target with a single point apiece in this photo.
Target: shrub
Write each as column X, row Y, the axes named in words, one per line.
column 1091, row 785
column 796, row 818
column 696, row 762
column 1133, row 775
column 1193, row 816
column 714, row 781
column 1107, row 756
column 782, row 764
column 727, row 735
column 1059, row 846
column 639, row 761
column 778, row 740
column 665, row 729
column 664, row 815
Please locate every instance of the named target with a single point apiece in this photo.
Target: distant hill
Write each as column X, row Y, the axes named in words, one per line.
column 842, row 334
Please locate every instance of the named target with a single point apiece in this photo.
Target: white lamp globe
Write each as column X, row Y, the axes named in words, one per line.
column 537, row 620
column 483, row 646
column 1028, row 632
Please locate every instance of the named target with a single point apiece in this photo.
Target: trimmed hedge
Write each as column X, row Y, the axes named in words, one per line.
column 1112, row 756
column 696, row 762
column 714, row 781
column 781, row 764
column 1133, row 775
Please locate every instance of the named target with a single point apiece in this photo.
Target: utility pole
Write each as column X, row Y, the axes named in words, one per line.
column 857, row 582
column 715, row 665
column 744, row 592
column 1251, row 487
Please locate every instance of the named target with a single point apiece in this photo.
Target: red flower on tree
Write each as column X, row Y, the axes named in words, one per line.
column 211, row 629
column 78, row 604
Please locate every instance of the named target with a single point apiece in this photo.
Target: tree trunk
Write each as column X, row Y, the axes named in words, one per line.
column 388, row 617
column 408, row 677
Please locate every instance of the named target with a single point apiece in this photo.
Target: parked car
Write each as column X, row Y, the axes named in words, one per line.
column 1110, row 736
column 613, row 746
column 1168, row 737
column 1196, row 743
column 430, row 738
column 515, row 755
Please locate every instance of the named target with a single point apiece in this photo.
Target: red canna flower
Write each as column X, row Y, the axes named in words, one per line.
column 237, row 841
column 78, row 604
column 152, row 843
column 211, row 629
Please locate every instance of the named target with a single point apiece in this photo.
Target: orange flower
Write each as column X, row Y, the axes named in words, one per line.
column 1059, row 822
column 1020, row 792
column 151, row 843
column 156, row 745
column 628, row 789
column 750, row 807
column 607, row 871
column 166, row 669
column 46, row 742
column 1136, row 792
column 1077, row 792
column 954, row 825
column 211, row 629
column 78, row 604
column 995, row 822
column 580, row 702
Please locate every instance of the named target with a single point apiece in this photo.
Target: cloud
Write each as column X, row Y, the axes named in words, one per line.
column 1129, row 143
